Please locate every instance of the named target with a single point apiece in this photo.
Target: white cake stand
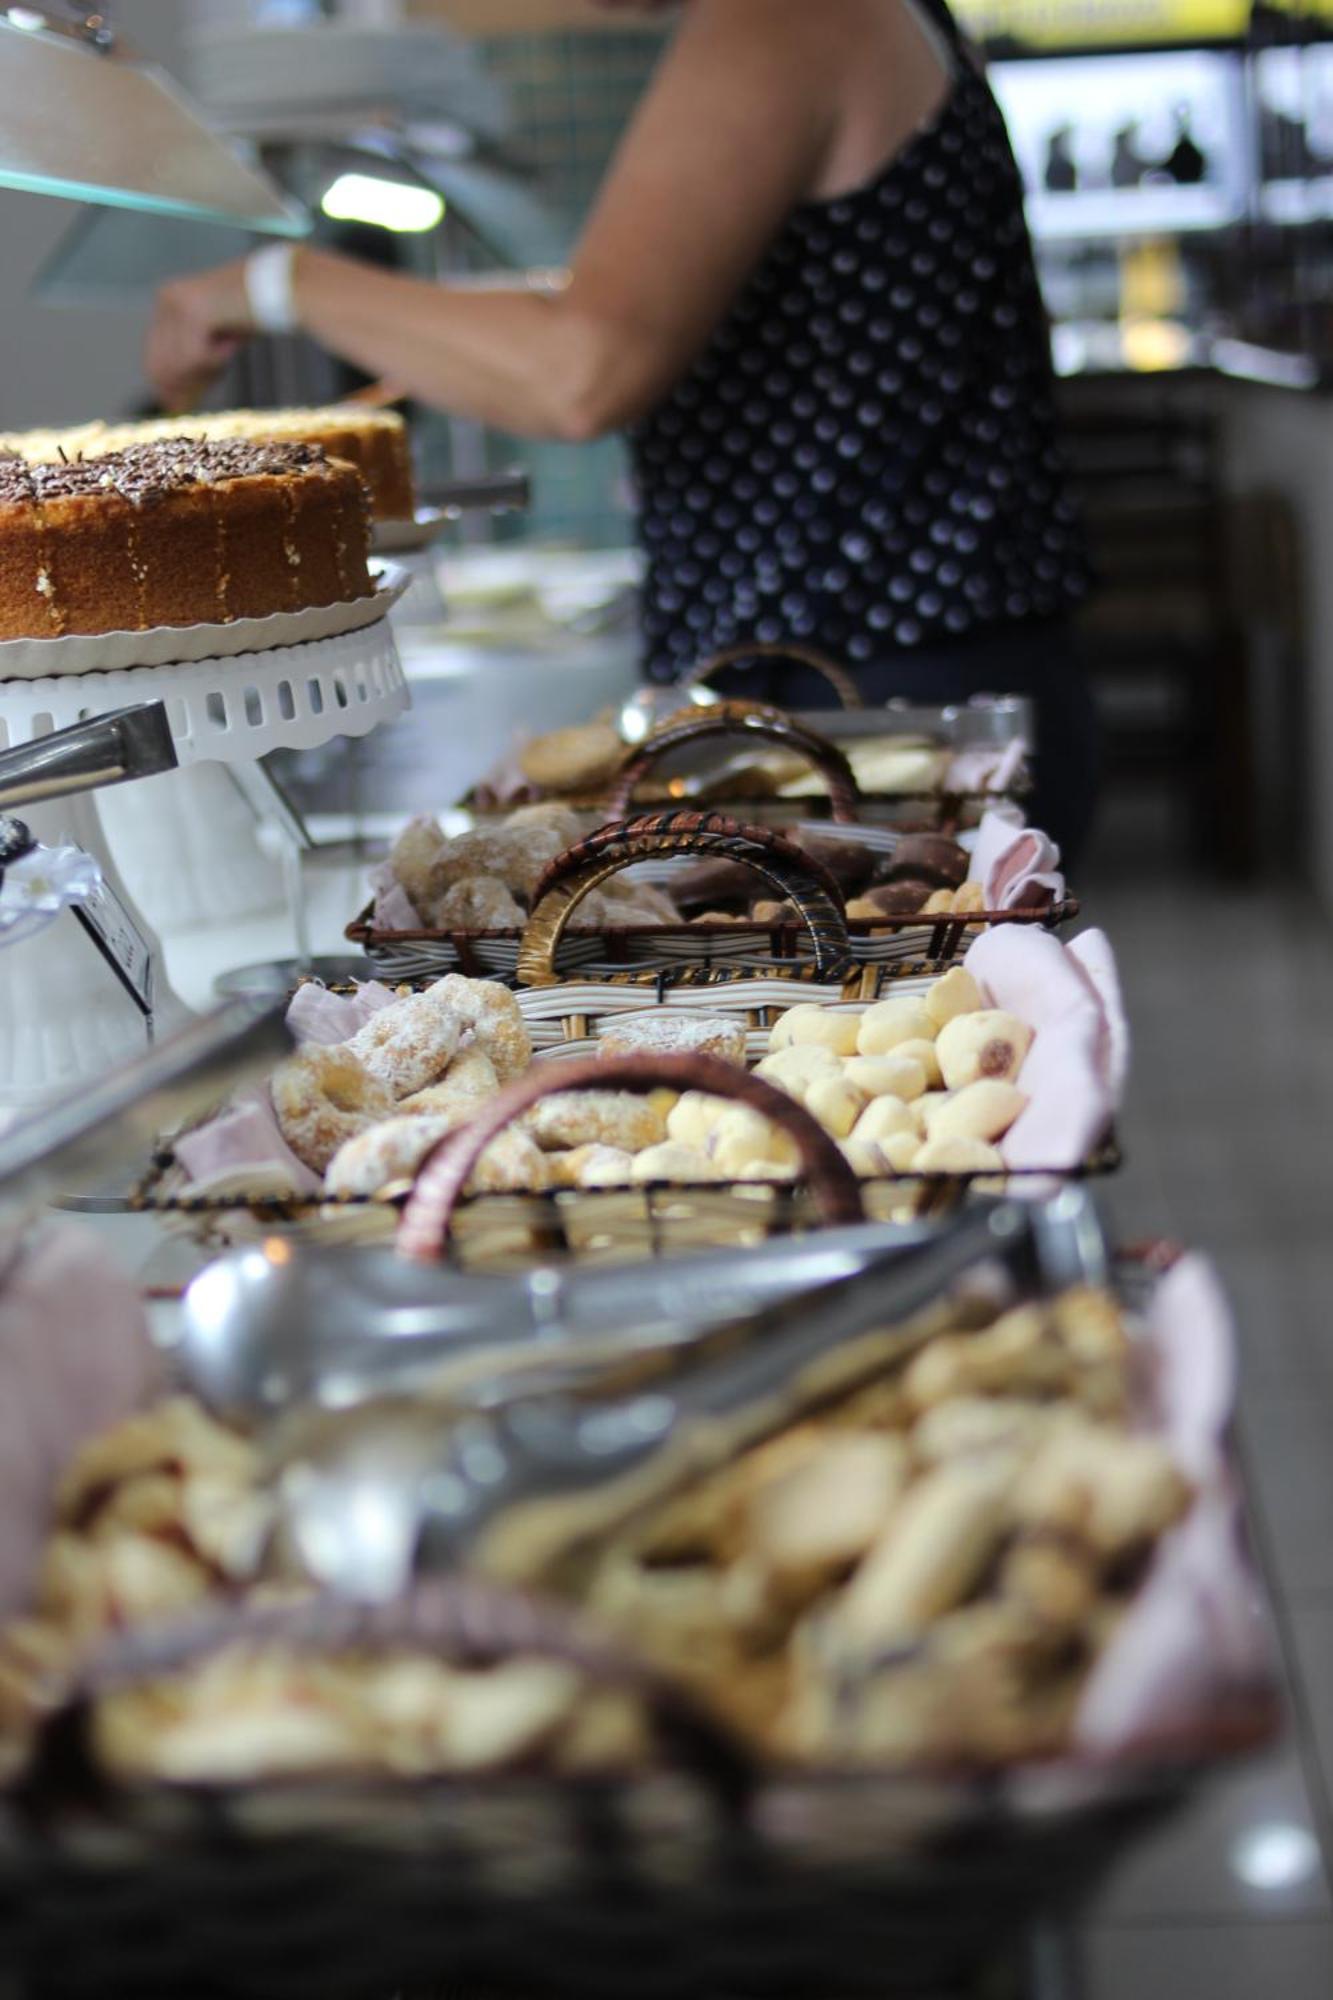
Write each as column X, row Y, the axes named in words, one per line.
column 67, row 1018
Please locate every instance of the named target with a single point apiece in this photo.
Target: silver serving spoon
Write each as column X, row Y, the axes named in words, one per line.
column 276, row 1325
column 367, row 1496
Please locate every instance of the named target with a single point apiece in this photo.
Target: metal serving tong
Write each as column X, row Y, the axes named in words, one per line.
column 367, row 1496
column 111, row 749
column 277, row 1325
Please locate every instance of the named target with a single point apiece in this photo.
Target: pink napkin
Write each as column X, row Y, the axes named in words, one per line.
column 1018, row 867
column 1091, row 952
column 244, row 1146
column 394, row 909
column 1071, row 1068
column 1197, row 1628
column 986, row 770
column 316, row 1015
column 75, row 1358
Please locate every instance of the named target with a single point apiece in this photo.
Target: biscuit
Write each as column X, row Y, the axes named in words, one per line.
column 595, row 1118
column 573, row 760
column 988, row 1043
column 673, row 1031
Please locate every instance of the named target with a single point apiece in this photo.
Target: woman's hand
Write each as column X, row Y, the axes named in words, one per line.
column 198, row 324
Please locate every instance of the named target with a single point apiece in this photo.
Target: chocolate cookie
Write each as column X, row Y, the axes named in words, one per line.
column 707, row 885
column 849, row 862
column 892, row 899
column 926, row 857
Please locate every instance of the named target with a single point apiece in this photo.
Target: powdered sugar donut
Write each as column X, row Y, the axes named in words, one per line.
column 477, row 903
column 411, row 1043
column 322, row 1097
column 550, row 816
column 596, row 1118
column 649, row 903
column 493, row 1018
column 389, row 1151
column 525, row 853
column 413, row 856
column 590, row 1167
column 469, row 1081
column 511, row 1164
column 467, row 854
column 596, row 912
column 671, row 1031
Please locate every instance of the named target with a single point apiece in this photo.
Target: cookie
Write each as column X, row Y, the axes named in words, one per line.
column 573, row 760
column 596, row 1118
column 672, row 1031
column 477, row 903
column 926, row 857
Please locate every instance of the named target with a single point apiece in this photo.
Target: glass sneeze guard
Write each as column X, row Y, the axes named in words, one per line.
column 94, row 126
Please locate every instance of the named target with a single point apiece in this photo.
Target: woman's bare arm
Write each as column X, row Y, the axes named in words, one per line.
column 731, row 134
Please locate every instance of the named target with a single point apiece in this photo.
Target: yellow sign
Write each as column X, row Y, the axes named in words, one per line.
column 1110, row 23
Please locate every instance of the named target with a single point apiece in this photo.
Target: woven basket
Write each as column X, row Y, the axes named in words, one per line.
column 504, row 1232
column 702, row 1878
column 819, row 737
column 815, row 943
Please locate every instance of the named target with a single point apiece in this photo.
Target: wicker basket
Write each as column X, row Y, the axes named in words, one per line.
column 1002, row 724
column 816, row 942
column 703, row 1878
column 614, row 1225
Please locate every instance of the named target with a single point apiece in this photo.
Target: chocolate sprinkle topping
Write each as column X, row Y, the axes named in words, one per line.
column 144, row 472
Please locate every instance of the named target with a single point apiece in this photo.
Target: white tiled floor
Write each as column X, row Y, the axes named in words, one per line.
column 1226, row 1137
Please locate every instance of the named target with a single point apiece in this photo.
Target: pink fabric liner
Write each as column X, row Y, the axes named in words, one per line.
column 58, row 1386
column 1197, row 1628
column 1074, row 1073
column 986, row 770
column 393, row 908
column 246, row 1137
column 1017, row 866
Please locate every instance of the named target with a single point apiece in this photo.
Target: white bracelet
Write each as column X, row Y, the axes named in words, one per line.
column 269, row 287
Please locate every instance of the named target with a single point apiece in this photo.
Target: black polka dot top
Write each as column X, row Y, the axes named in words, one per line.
column 865, row 454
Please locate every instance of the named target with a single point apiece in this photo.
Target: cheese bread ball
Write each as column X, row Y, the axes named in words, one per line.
column 922, row 1052
column 742, row 1136
column 956, row 993
column 795, row 1068
column 990, row 1043
column 883, row 1117
column 982, row 1110
column 872, row 1158
column 836, row 1103
column 673, row 1162
column 822, row 1026
column 894, row 1075
column 891, row 1022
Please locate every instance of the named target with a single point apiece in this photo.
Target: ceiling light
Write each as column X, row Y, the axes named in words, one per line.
column 386, row 204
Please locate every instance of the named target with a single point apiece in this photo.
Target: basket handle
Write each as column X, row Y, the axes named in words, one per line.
column 466, row 1620
column 739, row 718
column 446, row 1170
column 838, row 678
column 790, row 872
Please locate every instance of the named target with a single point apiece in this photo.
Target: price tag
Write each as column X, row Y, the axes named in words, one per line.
column 121, row 943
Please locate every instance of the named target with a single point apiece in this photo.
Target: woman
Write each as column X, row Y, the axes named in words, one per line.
column 806, row 291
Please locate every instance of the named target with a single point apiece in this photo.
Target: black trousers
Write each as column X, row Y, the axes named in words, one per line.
column 1040, row 661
